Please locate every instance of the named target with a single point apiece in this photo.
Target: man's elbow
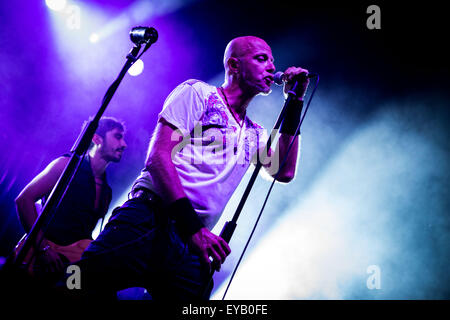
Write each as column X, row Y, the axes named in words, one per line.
column 286, row 177
column 19, row 200
column 156, row 160
column 150, row 164
column 283, row 176
column 23, row 201
column 21, row 204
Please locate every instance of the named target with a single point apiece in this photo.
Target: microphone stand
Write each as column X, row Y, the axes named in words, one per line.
column 78, row 151
column 230, row 226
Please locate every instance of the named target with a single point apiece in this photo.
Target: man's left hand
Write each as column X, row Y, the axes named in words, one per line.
column 291, row 75
column 207, row 244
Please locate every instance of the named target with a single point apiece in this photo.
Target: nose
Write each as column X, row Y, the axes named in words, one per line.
column 124, row 144
column 271, row 67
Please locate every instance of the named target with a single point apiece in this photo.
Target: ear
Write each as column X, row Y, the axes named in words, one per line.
column 97, row 139
column 233, row 64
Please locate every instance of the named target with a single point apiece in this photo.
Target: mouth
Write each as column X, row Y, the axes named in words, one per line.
column 269, row 80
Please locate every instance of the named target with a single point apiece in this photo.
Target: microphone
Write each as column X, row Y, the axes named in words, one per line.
column 140, row 35
column 279, row 77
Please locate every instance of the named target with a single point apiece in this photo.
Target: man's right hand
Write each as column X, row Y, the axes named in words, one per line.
column 50, row 261
column 207, row 244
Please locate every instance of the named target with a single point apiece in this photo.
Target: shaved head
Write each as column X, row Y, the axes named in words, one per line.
column 248, row 64
column 241, row 46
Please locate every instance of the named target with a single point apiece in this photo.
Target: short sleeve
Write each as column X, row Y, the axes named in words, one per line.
column 183, row 108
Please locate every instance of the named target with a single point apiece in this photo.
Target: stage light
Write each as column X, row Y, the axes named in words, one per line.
column 94, row 38
column 137, row 68
column 56, row 5
column 137, row 13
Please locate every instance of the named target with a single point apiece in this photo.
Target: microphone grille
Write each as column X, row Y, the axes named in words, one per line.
column 278, row 78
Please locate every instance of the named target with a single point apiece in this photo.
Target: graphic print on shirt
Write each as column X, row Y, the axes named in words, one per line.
column 220, row 137
column 221, row 133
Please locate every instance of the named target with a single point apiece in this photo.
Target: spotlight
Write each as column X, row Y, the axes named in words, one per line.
column 56, row 5
column 137, row 68
column 94, row 38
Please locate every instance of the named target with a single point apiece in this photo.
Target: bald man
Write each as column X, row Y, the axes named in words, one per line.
column 202, row 146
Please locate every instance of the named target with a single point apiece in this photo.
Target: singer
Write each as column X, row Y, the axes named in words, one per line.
column 202, row 146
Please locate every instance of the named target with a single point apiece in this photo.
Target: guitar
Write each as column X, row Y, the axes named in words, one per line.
column 70, row 253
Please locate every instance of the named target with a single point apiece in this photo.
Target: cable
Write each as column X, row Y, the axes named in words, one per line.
column 270, row 189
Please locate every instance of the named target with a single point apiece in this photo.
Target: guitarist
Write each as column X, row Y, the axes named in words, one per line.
column 85, row 202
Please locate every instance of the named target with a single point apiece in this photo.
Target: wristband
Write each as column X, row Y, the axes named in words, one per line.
column 292, row 117
column 186, row 218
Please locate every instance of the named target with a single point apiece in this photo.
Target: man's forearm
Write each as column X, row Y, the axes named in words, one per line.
column 288, row 170
column 167, row 182
column 165, row 177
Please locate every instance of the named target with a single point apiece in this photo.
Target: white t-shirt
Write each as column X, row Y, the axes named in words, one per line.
column 215, row 152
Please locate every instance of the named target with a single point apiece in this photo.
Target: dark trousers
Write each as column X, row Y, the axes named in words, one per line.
column 140, row 247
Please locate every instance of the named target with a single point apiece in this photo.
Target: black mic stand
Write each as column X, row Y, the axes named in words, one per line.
column 230, row 226
column 78, row 151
